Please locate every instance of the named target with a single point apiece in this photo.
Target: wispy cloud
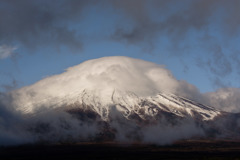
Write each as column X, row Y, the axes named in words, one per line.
column 6, row 51
column 210, row 27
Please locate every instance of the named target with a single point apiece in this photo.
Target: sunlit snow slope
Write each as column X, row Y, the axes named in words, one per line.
column 134, row 87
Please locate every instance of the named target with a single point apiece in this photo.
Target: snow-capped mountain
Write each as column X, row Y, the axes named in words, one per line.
column 128, row 103
column 119, row 90
column 133, row 86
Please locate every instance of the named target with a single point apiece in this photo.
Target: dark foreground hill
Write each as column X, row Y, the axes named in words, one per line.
column 188, row 149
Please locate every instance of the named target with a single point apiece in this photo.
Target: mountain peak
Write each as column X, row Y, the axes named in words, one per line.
column 115, row 94
column 132, row 85
column 104, row 74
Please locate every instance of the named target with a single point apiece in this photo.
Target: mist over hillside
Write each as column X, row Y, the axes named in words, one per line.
column 115, row 99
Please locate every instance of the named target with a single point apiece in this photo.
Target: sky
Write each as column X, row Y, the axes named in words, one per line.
column 198, row 41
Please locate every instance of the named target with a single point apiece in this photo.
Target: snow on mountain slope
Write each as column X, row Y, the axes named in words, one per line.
column 132, row 85
column 129, row 103
column 182, row 106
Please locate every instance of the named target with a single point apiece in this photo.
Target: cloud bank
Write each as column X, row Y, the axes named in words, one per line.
column 46, row 122
column 226, row 99
column 103, row 75
column 117, row 73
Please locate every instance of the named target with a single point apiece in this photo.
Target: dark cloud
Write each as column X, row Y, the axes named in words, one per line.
column 177, row 18
column 235, row 58
column 186, row 25
column 36, row 23
column 219, row 65
column 183, row 25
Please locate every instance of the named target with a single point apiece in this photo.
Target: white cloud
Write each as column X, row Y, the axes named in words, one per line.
column 103, row 76
column 226, row 99
column 6, row 51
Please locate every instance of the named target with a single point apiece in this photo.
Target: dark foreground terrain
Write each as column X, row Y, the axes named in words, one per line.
column 180, row 150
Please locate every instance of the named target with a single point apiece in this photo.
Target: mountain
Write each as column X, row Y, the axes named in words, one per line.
column 119, row 98
column 128, row 104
